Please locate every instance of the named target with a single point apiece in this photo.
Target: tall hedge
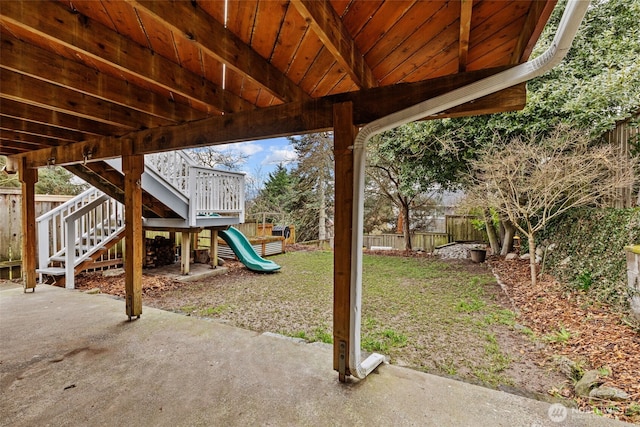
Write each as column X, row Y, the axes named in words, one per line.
column 589, row 251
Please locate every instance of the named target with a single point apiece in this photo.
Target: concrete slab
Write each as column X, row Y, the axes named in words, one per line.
column 69, row 358
column 197, row 271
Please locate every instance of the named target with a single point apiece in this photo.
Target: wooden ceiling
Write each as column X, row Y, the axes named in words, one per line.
column 87, row 75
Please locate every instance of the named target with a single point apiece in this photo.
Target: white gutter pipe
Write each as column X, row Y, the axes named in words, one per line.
column 567, row 30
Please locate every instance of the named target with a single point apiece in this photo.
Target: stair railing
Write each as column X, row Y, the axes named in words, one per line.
column 52, row 226
column 88, row 229
column 173, row 166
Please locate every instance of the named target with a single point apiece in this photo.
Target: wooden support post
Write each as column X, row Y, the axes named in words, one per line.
column 28, row 177
column 133, row 166
column 213, row 248
column 185, row 252
column 344, row 135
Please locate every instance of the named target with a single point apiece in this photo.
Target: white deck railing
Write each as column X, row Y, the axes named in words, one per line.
column 210, row 191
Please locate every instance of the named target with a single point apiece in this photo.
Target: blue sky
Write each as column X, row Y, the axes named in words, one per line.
column 264, row 155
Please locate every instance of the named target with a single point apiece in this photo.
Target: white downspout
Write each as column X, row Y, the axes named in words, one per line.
column 565, row 34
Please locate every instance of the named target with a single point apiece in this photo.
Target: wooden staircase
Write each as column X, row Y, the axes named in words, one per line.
column 177, row 194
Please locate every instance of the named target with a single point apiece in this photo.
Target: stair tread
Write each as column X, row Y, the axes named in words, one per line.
column 54, row 271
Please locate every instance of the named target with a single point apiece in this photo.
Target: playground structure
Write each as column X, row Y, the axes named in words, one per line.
column 183, row 197
column 245, row 251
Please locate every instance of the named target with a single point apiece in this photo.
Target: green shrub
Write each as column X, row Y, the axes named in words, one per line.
column 590, row 250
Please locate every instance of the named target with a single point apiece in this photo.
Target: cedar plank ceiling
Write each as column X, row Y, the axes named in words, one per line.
column 81, row 70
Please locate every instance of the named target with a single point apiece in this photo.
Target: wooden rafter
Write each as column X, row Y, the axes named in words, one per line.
column 466, row 7
column 286, row 119
column 56, row 119
column 35, row 141
column 38, row 129
column 27, row 59
column 193, row 23
column 23, row 88
column 326, row 23
column 538, row 15
column 77, row 37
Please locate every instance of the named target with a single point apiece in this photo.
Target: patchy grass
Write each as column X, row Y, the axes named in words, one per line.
column 442, row 317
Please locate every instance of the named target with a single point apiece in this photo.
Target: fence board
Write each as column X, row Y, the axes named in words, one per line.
column 622, row 138
column 10, row 224
column 461, row 229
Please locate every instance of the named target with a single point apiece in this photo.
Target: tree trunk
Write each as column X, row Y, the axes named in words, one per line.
column 322, row 215
column 509, row 233
column 491, row 232
column 532, row 258
column 405, row 227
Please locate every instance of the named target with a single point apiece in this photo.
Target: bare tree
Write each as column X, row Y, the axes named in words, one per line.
column 229, row 158
column 532, row 181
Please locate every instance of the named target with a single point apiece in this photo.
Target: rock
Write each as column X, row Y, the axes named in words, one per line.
column 113, row 272
column 589, row 380
column 608, row 393
column 565, row 261
column 511, row 256
column 539, row 251
column 635, row 307
column 568, row 367
column 525, row 256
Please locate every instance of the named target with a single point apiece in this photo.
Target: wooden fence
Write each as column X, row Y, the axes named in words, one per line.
column 622, row 138
column 459, row 228
column 10, row 219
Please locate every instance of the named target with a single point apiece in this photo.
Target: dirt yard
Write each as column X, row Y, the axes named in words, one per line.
column 444, row 317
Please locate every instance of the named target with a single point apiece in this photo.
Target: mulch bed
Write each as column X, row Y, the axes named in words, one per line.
column 599, row 337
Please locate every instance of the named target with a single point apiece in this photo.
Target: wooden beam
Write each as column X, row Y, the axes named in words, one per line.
column 28, row 177
column 39, row 129
column 10, row 148
column 56, row 119
column 466, row 7
column 343, row 135
column 22, row 88
column 27, row 141
column 185, row 252
column 111, row 182
column 286, row 119
column 539, row 13
column 188, row 20
column 77, row 37
column 133, row 166
column 27, row 59
column 213, row 247
column 328, row 26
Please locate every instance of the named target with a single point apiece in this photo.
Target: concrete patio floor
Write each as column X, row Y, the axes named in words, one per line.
column 69, row 358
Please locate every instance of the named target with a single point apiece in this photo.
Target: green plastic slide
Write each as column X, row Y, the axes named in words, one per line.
column 241, row 246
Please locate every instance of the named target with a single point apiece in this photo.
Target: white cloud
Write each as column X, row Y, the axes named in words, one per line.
column 279, row 155
column 246, row 148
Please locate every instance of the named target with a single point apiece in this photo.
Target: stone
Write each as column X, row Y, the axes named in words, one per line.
column 525, row 256
column 565, row 261
column 113, row 272
column 511, row 256
column 568, row 367
column 589, row 380
column 539, row 251
column 635, row 307
column 608, row 393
